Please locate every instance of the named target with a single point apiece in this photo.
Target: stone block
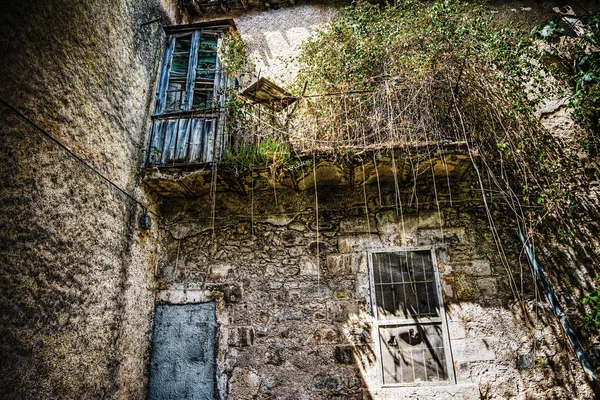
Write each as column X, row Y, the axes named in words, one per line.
column 330, row 383
column 457, row 330
column 340, row 264
column 358, row 225
column 297, row 226
column 463, row 372
column 279, row 220
column 325, row 334
column 244, row 384
column 242, row 336
column 336, row 312
column 184, row 296
column 344, row 355
column 524, row 361
column 469, row 350
column 463, row 287
column 389, row 223
column 448, row 287
column 295, row 251
column 478, row 267
column 430, row 392
column 358, row 243
column 275, row 354
column 437, row 235
column 232, row 293
column 219, row 271
column 431, row 219
column 341, row 295
column 488, row 288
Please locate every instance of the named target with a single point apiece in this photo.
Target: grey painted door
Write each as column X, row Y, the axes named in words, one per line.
column 184, row 352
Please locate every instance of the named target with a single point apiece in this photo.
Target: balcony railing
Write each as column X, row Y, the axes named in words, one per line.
column 185, row 138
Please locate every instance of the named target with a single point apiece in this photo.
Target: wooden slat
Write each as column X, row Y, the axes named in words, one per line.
column 182, row 139
column 191, row 72
column 156, row 145
column 195, row 152
column 208, row 140
column 170, row 137
column 164, row 77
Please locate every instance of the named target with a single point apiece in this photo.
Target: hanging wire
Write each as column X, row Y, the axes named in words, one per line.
column 79, row 159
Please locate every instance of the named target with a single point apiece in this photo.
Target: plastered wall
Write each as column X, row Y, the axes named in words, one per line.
column 75, row 272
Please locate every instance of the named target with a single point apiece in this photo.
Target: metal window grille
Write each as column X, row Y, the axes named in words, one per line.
column 410, row 324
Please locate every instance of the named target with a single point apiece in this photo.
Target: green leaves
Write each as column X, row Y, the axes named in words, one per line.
column 548, row 30
column 592, row 300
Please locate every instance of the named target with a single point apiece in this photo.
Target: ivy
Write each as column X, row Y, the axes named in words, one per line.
column 578, row 61
column 592, row 300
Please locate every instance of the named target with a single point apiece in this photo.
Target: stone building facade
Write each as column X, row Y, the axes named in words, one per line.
column 282, row 278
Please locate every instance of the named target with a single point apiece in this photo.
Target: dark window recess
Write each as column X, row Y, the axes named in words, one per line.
column 409, row 318
column 188, row 114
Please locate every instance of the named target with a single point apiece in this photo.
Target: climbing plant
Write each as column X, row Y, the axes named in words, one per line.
column 433, row 72
column 592, row 300
column 576, row 51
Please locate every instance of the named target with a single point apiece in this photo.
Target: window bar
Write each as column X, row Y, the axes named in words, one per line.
column 392, row 281
column 380, row 291
column 214, row 157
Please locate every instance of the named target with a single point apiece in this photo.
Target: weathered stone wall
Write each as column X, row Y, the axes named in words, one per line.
column 293, row 294
column 75, row 273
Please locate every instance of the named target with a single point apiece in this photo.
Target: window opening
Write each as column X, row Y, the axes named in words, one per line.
column 410, row 323
column 188, row 117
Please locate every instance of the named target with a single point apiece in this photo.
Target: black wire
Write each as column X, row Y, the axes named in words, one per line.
column 77, row 157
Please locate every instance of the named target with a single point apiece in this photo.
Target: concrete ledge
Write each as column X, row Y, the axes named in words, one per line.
column 468, row 391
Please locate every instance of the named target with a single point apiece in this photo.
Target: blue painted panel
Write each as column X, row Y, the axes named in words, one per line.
column 184, row 350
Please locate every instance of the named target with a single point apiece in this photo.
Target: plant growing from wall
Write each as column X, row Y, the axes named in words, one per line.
column 412, row 72
column 578, row 60
column 418, row 75
column 267, row 153
column 592, row 300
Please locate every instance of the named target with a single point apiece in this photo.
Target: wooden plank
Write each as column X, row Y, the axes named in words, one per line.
column 156, row 145
column 191, row 72
column 208, row 141
column 182, row 139
column 170, row 137
column 163, row 83
column 194, row 154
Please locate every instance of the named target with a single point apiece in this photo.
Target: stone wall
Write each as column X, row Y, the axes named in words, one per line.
column 75, row 273
column 293, row 300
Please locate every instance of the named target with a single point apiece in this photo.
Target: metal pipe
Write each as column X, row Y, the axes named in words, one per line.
column 560, row 314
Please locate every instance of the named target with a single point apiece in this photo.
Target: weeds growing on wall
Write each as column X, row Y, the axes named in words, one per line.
column 413, row 73
column 266, row 153
column 576, row 51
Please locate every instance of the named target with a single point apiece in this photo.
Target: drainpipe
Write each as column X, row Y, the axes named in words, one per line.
column 560, row 314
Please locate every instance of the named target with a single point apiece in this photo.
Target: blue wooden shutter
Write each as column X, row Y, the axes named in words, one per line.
column 191, row 73
column 163, row 82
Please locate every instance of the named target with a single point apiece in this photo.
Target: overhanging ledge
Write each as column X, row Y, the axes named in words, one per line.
column 402, row 165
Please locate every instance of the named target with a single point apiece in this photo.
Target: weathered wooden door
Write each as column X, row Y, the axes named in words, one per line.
column 182, row 364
